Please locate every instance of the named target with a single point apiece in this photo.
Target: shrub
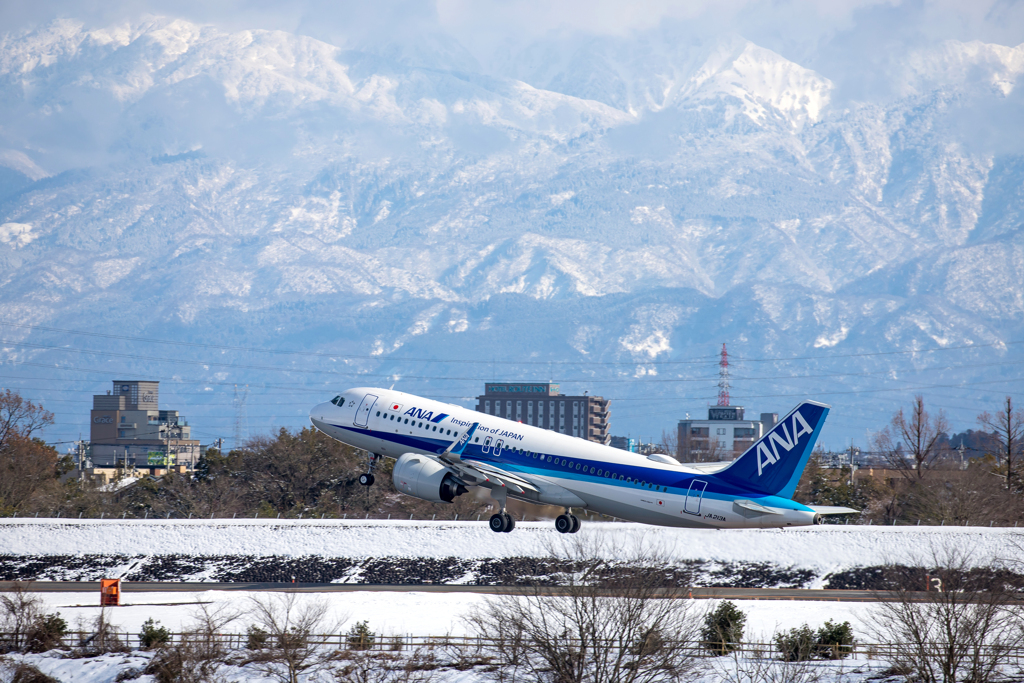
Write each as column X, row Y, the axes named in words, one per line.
column 360, row 637
column 723, row 628
column 182, row 663
column 831, row 641
column 797, row 644
column 256, row 638
column 153, row 636
column 26, row 673
column 46, row 633
column 835, row 641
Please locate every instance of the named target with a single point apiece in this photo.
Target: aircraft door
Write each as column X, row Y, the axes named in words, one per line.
column 487, row 444
column 497, row 448
column 694, row 496
column 363, row 411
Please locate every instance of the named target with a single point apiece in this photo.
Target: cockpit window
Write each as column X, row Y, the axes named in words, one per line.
column 337, row 400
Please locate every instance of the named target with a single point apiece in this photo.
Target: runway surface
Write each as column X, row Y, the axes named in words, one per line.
column 128, row 588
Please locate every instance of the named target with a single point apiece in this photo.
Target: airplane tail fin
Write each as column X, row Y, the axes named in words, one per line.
column 774, row 464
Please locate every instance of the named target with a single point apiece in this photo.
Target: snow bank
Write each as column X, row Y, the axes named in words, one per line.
column 823, row 548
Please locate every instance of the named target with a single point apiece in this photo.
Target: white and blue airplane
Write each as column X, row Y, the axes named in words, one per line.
column 442, row 450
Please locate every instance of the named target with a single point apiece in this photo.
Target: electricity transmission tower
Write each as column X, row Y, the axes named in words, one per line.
column 723, row 378
column 241, row 417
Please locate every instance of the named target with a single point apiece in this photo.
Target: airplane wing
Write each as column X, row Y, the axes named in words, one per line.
column 506, row 477
column 477, row 473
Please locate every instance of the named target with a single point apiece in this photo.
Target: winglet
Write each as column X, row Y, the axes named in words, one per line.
column 458, row 446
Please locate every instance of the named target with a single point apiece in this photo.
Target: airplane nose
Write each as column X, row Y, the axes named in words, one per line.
column 317, row 413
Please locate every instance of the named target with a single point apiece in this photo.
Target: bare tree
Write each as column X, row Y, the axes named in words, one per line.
column 1007, row 428
column 610, row 623
column 103, row 637
column 669, row 444
column 955, row 496
column 19, row 611
column 27, row 465
column 962, row 632
column 197, row 657
column 289, row 625
column 912, row 444
column 20, row 418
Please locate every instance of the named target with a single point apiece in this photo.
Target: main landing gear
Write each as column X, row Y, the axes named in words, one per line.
column 366, row 479
column 502, row 522
column 567, row 523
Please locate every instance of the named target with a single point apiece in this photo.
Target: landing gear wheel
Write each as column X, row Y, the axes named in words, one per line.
column 498, row 523
column 575, row 524
column 510, row 523
column 366, row 479
column 563, row 524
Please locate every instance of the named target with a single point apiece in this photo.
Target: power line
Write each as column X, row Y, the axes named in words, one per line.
column 877, row 353
column 398, row 375
column 317, row 371
column 321, row 354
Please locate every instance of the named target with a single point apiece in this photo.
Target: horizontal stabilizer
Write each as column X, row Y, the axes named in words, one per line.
column 833, row 510
column 757, row 507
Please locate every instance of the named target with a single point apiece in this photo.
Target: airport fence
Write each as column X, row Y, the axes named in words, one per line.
column 479, row 647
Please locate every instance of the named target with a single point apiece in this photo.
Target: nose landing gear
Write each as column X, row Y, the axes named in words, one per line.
column 366, row 479
column 567, row 523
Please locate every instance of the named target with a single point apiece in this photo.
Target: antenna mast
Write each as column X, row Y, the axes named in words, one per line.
column 723, row 378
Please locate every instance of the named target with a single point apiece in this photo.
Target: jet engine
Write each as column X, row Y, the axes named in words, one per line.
column 419, row 476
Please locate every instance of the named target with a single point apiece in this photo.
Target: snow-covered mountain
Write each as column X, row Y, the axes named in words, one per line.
column 584, row 215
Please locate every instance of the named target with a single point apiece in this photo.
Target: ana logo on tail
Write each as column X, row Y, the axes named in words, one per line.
column 780, row 436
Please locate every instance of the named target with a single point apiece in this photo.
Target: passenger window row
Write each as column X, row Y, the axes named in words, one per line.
column 421, row 425
column 586, row 469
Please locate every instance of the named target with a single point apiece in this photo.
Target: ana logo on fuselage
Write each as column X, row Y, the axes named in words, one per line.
column 428, row 415
column 780, row 436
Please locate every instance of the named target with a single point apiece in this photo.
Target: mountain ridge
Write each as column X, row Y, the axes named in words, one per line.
column 279, row 182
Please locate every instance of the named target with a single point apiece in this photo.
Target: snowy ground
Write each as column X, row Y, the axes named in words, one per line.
column 114, row 668
column 412, row 613
column 822, row 548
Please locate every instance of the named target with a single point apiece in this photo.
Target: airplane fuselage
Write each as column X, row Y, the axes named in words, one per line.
column 563, row 470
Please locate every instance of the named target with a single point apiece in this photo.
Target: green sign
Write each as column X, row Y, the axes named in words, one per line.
column 157, row 459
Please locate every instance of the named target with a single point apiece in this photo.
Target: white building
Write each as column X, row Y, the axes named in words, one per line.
column 723, row 436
